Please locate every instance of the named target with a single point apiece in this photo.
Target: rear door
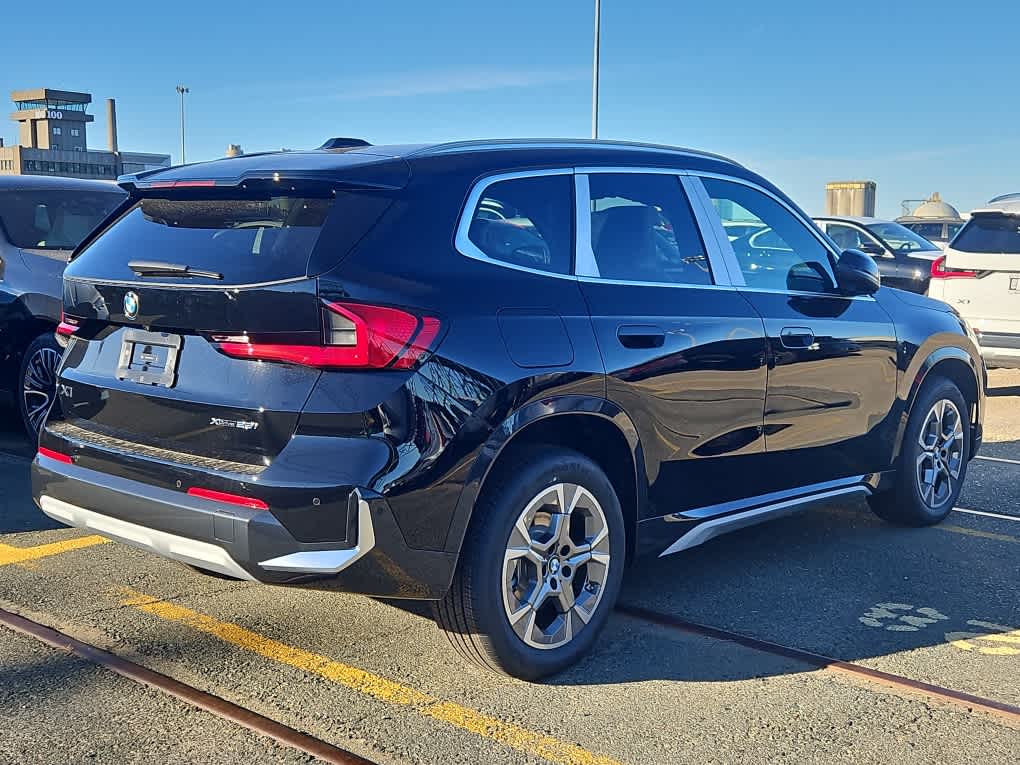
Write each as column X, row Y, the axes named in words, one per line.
column 158, row 357
column 684, row 351
column 980, row 275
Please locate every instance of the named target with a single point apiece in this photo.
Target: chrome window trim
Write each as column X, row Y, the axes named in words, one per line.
column 676, row 285
column 584, row 255
column 808, row 223
column 725, row 262
column 802, row 293
column 462, row 240
column 586, row 267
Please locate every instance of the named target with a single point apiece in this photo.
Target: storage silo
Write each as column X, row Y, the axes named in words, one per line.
column 853, row 198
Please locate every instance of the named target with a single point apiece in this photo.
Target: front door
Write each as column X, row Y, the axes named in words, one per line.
column 684, row 351
column 832, row 357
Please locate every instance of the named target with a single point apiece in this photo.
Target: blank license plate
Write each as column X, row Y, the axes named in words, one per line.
column 149, row 358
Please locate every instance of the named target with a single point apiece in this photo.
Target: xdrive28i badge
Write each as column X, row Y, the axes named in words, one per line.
column 131, row 305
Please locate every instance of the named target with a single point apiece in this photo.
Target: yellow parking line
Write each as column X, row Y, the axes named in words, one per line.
column 9, row 554
column 514, row 736
column 977, row 533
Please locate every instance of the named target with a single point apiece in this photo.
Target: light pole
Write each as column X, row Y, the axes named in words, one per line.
column 595, row 72
column 182, row 90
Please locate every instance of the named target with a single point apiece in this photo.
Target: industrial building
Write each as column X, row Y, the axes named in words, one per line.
column 851, row 198
column 52, row 139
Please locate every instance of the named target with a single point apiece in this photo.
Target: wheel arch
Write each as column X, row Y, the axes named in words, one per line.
column 595, row 427
column 958, row 366
column 23, row 325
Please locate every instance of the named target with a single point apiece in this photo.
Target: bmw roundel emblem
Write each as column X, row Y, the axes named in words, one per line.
column 131, row 305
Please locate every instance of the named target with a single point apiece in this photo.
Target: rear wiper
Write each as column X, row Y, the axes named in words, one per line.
column 159, row 268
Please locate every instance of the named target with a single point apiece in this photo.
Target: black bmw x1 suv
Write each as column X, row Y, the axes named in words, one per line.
column 486, row 374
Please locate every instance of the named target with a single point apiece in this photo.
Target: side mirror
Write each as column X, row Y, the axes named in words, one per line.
column 872, row 248
column 857, row 273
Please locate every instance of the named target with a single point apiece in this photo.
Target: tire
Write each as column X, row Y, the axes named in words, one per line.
column 549, row 571
column 37, row 382
column 913, row 501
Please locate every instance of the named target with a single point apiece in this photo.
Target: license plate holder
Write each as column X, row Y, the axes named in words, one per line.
column 149, row 358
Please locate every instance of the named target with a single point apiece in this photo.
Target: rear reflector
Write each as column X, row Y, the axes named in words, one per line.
column 50, row 454
column 939, row 271
column 357, row 336
column 67, row 326
column 230, row 499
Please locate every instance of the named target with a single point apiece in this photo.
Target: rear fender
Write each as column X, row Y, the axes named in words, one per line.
column 517, row 423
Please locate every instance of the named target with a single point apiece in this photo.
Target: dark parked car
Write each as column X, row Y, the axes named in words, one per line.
column 904, row 258
column 42, row 220
column 486, row 374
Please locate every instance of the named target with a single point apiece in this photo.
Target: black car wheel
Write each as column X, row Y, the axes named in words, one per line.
column 540, row 568
column 38, row 382
column 933, row 461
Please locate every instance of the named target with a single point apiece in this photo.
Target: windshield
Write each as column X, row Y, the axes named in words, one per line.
column 900, row 238
column 54, row 219
column 990, row 234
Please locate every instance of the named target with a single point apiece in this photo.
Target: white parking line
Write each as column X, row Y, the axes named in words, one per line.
column 988, row 515
column 998, row 459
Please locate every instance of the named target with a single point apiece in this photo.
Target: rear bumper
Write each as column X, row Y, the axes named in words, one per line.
column 241, row 542
column 1000, row 350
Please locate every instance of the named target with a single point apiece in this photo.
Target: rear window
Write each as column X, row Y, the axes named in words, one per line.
column 54, row 219
column 246, row 240
column 989, row 233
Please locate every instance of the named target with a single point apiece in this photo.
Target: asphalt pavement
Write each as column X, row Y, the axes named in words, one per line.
column 938, row 605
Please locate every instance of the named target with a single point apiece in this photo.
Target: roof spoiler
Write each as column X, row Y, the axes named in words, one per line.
column 344, row 143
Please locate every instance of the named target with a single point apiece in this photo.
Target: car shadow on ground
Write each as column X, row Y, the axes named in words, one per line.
column 835, row 580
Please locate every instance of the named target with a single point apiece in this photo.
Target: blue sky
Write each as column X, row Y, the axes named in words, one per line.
column 918, row 96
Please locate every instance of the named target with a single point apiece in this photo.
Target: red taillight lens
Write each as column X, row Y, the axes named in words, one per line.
column 180, row 184
column 230, row 499
column 67, row 326
column 53, row 455
column 357, row 336
column 939, row 271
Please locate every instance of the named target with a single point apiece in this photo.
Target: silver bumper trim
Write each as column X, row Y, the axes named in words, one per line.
column 329, row 561
column 190, row 551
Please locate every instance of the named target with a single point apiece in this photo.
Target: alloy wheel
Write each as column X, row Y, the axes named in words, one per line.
column 941, row 457
column 555, row 566
column 39, row 385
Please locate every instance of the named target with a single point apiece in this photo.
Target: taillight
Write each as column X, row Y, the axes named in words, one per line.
column 180, row 184
column 55, row 455
column 939, row 271
column 67, row 326
column 230, row 499
column 356, row 336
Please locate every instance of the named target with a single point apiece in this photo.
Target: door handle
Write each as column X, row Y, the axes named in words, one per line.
column 797, row 337
column 641, row 336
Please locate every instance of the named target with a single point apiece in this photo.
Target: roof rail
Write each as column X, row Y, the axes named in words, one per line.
column 344, row 143
column 561, row 143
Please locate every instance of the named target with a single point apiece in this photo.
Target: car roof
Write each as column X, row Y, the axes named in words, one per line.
column 391, row 163
column 464, row 147
column 38, row 182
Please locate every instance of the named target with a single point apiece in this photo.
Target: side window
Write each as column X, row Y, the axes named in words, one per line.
column 845, row 237
column 643, row 230
column 781, row 252
column 526, row 222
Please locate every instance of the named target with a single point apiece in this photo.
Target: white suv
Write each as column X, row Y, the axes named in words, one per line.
column 980, row 277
